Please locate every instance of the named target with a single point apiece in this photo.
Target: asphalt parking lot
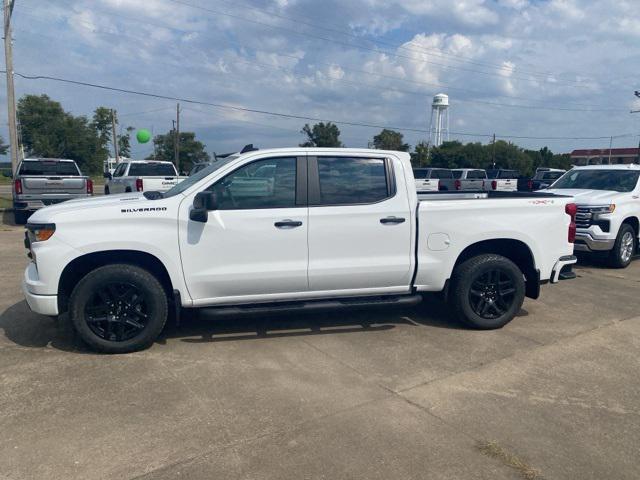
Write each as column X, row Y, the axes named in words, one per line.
column 372, row 395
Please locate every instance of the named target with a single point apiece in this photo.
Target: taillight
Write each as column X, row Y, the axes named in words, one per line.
column 494, row 185
column 89, row 186
column 458, row 184
column 530, row 184
column 17, row 186
column 440, row 186
column 571, row 209
column 139, row 185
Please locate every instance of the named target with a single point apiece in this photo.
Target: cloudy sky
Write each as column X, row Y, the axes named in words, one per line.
column 517, row 68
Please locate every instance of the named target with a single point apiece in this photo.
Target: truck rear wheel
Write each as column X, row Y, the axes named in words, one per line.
column 624, row 248
column 118, row 308
column 487, row 291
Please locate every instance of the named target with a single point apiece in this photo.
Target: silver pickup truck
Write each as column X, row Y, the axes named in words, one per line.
column 40, row 182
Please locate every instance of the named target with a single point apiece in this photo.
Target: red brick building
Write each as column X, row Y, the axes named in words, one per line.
column 602, row 156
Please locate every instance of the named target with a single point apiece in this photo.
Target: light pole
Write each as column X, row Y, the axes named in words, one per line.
column 11, row 96
column 637, row 94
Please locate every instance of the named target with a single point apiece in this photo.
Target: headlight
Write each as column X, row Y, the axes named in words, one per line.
column 40, row 232
column 603, row 209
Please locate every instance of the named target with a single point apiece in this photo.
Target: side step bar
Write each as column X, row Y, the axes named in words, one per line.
column 311, row 305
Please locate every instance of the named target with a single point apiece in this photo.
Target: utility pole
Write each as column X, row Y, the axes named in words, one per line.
column 11, row 94
column 114, row 137
column 493, row 152
column 610, row 145
column 637, row 94
column 177, row 140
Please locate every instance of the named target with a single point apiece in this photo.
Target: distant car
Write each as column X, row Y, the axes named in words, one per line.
column 46, row 181
column 469, row 179
column 544, row 178
column 433, row 179
column 142, row 176
column 501, row 180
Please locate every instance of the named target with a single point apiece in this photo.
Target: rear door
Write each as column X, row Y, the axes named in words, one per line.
column 359, row 226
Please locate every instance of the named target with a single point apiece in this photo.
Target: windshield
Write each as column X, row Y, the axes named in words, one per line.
column 196, row 177
column 48, row 167
column 615, row 180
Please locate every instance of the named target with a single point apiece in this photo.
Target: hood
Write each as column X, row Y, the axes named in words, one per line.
column 588, row 197
column 124, row 200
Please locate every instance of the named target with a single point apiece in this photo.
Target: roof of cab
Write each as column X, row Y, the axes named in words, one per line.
column 630, row 166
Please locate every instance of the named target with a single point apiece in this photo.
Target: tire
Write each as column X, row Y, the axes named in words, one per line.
column 118, row 308
column 478, row 299
column 20, row 217
column 624, row 248
column 106, row 190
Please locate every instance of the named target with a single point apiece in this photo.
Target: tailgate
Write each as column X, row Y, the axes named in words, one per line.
column 159, row 184
column 427, row 184
column 475, row 184
column 53, row 185
column 508, row 185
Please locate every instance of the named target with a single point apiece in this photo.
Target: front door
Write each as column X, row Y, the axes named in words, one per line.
column 254, row 246
column 360, row 230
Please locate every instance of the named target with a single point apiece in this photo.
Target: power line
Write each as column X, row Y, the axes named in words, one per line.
column 289, row 115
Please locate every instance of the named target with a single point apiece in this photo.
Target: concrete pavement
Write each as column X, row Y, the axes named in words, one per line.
column 396, row 394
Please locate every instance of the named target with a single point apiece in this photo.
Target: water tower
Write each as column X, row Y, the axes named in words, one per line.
column 439, row 126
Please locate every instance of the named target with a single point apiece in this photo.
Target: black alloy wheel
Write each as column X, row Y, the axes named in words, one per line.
column 492, row 294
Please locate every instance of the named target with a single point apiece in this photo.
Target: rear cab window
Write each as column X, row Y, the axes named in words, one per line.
column 476, row 175
column 353, row 181
column 420, row 173
column 152, row 169
column 441, row 173
column 48, row 168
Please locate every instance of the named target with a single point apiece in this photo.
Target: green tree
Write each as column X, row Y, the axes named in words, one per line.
column 420, row 155
column 390, row 140
column 321, row 135
column 48, row 131
column 4, row 148
column 191, row 150
column 124, row 142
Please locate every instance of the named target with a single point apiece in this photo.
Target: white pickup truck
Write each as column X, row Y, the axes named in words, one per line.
column 141, row 176
column 501, row 180
column 608, row 217
column 291, row 228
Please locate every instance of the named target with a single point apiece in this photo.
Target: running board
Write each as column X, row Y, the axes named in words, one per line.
column 312, row 305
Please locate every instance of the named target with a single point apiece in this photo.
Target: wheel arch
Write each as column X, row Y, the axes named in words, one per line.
column 634, row 222
column 515, row 250
column 75, row 270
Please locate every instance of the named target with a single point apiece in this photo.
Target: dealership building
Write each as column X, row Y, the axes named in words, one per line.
column 605, row 156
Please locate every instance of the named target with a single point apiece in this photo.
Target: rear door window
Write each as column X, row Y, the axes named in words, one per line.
column 352, row 181
column 48, row 168
column 152, row 170
column 119, row 171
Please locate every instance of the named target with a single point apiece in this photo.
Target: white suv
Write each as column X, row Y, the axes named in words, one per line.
column 608, row 218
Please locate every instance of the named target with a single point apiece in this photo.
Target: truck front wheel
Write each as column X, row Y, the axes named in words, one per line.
column 487, row 291
column 118, row 308
column 624, row 248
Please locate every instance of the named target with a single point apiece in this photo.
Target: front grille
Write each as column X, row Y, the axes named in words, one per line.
column 583, row 217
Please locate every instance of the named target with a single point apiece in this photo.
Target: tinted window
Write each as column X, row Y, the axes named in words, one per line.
column 551, row 175
column 152, row 170
column 119, row 171
column 458, row 174
column 476, row 174
column 508, row 174
column 616, row 180
column 47, row 167
column 441, row 173
column 269, row 183
column 352, row 180
column 420, row 173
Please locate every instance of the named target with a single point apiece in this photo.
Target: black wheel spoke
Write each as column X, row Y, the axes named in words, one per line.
column 491, row 294
column 117, row 312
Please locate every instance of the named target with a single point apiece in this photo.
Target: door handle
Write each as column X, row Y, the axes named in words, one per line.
column 288, row 224
column 391, row 220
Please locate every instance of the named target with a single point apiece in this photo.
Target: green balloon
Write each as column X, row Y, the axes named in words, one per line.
column 143, row 135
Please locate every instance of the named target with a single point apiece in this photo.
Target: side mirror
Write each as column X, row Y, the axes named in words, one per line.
column 203, row 203
column 107, row 175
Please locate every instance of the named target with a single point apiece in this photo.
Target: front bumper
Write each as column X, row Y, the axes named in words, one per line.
column 586, row 242
column 42, row 304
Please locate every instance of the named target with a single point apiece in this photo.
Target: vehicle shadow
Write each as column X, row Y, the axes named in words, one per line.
column 596, row 260
column 27, row 329
column 7, row 218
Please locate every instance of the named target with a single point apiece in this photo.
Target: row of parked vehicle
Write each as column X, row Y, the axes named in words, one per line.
column 337, row 228
column 479, row 180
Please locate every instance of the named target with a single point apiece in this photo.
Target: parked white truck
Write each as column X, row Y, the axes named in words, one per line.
column 608, row 217
column 141, row 176
column 291, row 228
